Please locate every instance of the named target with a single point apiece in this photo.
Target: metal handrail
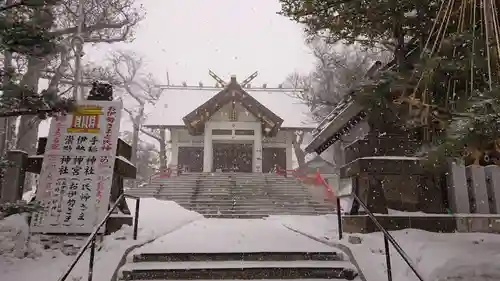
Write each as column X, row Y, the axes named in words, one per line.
column 387, row 236
column 395, row 244
column 93, row 235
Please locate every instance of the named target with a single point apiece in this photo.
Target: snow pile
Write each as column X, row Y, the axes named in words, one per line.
column 437, row 256
column 14, row 233
column 156, row 218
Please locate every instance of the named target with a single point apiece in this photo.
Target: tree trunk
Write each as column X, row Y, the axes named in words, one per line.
column 299, row 153
column 28, row 127
column 135, row 134
column 5, row 125
column 4, row 122
column 27, row 135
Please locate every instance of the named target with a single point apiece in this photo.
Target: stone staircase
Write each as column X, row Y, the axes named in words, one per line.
column 238, row 266
column 236, row 195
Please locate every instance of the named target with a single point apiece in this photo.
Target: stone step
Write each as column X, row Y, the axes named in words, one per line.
column 234, row 256
column 261, row 213
column 249, row 203
column 278, row 197
column 259, row 280
column 242, row 187
column 259, row 205
column 238, row 270
column 232, row 197
column 255, row 208
column 235, row 216
column 266, row 211
column 258, row 214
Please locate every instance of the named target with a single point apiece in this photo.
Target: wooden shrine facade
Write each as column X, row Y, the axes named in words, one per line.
column 230, row 132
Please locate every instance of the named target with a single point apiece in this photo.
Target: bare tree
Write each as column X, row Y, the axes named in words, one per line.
column 137, row 87
column 147, row 158
column 338, row 69
column 106, row 21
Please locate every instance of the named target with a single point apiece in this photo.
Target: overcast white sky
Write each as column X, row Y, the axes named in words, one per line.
column 188, row 37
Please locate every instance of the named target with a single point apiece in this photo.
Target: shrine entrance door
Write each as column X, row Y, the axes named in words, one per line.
column 232, row 157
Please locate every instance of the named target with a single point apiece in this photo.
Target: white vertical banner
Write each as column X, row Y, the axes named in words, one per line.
column 77, row 170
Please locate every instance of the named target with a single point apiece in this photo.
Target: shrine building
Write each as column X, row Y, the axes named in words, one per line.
column 234, row 130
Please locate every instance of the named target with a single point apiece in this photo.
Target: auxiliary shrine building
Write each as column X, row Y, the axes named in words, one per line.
column 234, row 130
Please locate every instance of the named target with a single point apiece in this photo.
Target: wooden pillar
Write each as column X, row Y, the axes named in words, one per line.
column 207, row 149
column 14, row 176
column 257, row 151
column 174, row 157
column 289, row 149
column 163, row 149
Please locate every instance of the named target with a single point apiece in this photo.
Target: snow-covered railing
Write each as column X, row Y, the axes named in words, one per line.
column 474, row 189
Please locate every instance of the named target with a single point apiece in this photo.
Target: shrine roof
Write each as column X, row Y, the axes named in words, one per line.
column 346, row 114
column 174, row 105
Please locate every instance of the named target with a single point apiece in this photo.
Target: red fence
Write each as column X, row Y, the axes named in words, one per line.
column 164, row 173
column 317, row 179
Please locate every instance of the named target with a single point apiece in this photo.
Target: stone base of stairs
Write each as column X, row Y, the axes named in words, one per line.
column 234, row 266
column 430, row 222
column 230, row 256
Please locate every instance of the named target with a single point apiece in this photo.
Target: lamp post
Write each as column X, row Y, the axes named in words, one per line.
column 77, row 44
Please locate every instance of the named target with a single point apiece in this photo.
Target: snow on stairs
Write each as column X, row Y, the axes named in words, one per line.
column 236, row 195
column 315, row 266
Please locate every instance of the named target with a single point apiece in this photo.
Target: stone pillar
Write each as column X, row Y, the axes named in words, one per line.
column 370, row 191
column 174, row 157
column 493, row 185
column 289, row 150
column 14, row 177
column 457, row 189
column 477, row 189
column 257, row 151
column 207, row 149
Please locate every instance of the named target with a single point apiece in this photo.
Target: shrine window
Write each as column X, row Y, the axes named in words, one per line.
column 220, row 132
column 244, row 132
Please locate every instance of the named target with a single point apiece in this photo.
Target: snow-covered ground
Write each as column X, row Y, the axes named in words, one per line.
column 233, row 235
column 438, row 257
column 157, row 218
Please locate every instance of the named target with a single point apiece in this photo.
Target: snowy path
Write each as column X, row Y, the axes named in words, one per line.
column 231, row 235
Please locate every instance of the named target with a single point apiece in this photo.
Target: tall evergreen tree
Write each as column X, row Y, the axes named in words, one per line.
column 444, row 76
column 20, row 34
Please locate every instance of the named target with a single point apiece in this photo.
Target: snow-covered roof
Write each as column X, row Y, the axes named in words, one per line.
column 175, row 104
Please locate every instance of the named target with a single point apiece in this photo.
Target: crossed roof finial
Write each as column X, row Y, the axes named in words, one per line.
column 233, row 78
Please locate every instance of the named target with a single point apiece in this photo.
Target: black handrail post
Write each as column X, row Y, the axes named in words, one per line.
column 89, row 240
column 136, row 217
column 389, row 237
column 339, row 218
column 91, row 260
column 388, row 258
